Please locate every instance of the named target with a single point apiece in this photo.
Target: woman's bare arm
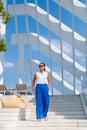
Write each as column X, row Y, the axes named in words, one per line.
column 48, row 78
column 33, row 83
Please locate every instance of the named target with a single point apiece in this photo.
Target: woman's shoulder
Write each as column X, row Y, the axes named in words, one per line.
column 46, row 73
column 37, row 73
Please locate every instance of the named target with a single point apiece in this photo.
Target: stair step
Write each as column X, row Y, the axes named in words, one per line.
column 42, row 128
column 28, row 117
column 49, row 123
column 49, row 113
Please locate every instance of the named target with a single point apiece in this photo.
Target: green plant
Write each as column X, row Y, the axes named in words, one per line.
column 3, row 46
column 6, row 17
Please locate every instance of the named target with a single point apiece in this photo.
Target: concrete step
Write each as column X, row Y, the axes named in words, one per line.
column 64, row 102
column 57, row 105
column 49, row 123
column 60, row 109
column 42, row 128
column 29, row 113
column 28, row 117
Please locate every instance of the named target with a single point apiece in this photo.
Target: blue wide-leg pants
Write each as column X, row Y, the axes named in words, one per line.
column 42, row 100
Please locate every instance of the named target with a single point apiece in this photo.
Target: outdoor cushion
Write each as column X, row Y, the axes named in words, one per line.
column 14, row 101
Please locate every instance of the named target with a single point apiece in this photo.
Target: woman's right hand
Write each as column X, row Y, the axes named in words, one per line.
column 33, row 89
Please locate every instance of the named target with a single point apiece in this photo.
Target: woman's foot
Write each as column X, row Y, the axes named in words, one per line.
column 46, row 119
column 39, row 120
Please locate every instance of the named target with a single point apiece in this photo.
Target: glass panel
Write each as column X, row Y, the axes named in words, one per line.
column 32, row 25
column 45, row 59
column 43, row 31
column 34, row 53
column 67, row 50
column 68, row 82
column 11, row 77
column 19, row 1
column 56, row 81
column 11, row 48
column 77, row 86
column 53, row 9
column 30, row 1
column 55, row 40
column 83, row 1
column 80, row 27
column 66, row 17
column 9, row 2
column 42, row 4
column 80, row 58
column 26, row 52
column 21, row 24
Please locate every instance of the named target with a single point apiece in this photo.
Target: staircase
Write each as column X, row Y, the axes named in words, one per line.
column 65, row 113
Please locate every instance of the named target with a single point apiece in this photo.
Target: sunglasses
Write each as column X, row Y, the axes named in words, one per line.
column 41, row 65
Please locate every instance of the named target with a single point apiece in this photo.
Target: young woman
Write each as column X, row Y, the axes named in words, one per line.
column 42, row 81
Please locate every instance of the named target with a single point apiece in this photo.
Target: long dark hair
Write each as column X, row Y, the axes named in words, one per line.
column 43, row 65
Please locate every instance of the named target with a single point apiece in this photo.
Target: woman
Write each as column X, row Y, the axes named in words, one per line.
column 42, row 81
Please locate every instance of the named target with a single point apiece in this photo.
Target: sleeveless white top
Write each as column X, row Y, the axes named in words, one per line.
column 41, row 78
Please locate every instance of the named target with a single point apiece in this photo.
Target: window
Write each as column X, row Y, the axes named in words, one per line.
column 66, row 17
column 21, row 24
column 67, row 49
column 55, row 40
column 78, row 88
column 53, row 9
column 26, row 52
column 42, row 4
column 68, row 82
column 19, row 1
column 34, row 53
column 31, row 1
column 80, row 58
column 32, row 25
column 43, row 31
column 45, row 59
column 83, row 1
column 9, row 2
column 79, row 26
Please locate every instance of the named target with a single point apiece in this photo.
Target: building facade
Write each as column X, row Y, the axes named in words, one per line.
column 55, row 32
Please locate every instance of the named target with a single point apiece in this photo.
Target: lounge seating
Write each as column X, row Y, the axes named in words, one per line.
column 22, row 88
column 14, row 101
column 4, row 90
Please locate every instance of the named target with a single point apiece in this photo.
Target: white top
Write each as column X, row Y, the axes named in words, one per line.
column 41, row 78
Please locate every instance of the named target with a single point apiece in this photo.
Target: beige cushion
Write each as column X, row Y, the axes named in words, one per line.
column 14, row 101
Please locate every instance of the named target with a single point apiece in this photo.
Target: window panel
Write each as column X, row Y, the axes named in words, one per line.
column 19, row 1
column 34, row 53
column 66, row 17
column 53, row 9
column 67, row 83
column 80, row 58
column 67, row 49
column 79, row 27
column 83, row 1
column 55, row 40
column 43, row 31
column 21, row 24
column 26, row 52
column 32, row 25
column 31, row 1
column 9, row 2
column 78, row 88
column 42, row 4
